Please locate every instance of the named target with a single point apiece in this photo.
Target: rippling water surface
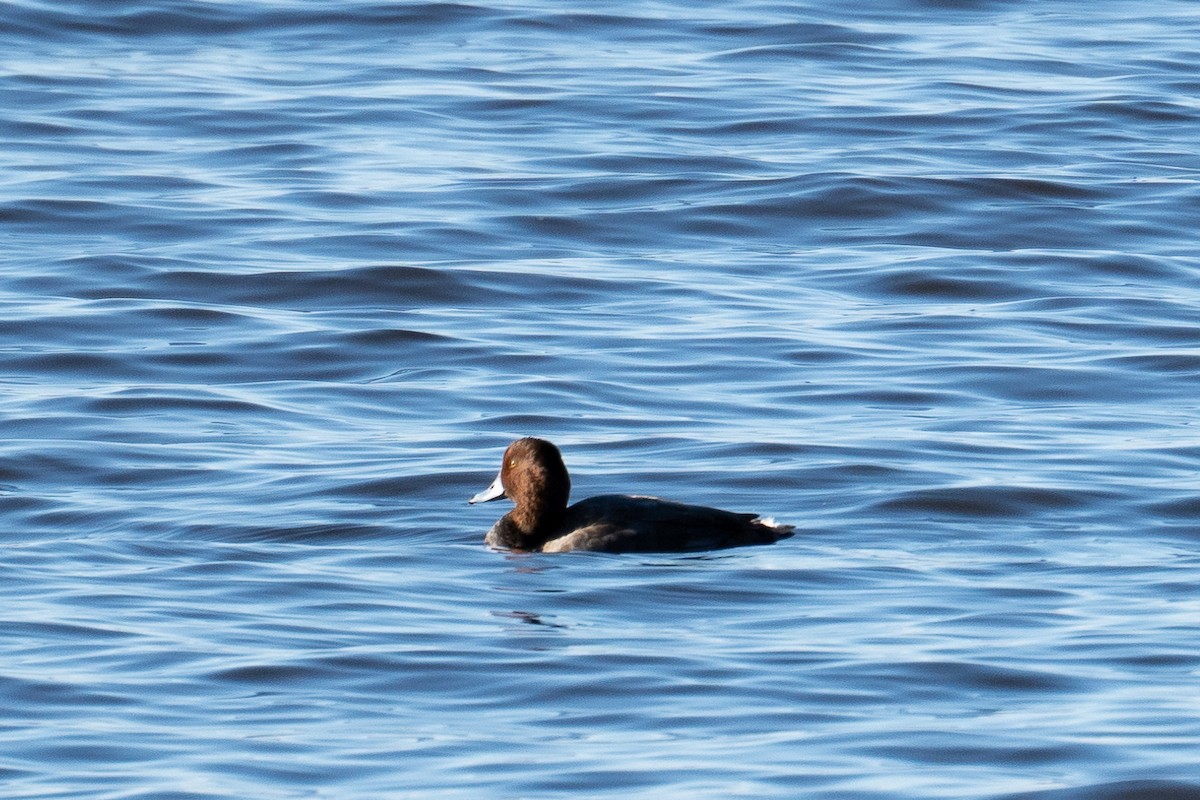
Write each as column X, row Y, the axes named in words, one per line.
column 280, row 279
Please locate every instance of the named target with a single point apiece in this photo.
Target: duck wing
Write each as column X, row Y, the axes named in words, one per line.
column 627, row 524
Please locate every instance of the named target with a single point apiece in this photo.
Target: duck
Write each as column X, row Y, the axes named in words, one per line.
column 534, row 476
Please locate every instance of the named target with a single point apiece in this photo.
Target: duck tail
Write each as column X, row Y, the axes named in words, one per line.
column 775, row 529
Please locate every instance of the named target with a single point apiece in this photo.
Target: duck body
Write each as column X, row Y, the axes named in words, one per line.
column 534, row 477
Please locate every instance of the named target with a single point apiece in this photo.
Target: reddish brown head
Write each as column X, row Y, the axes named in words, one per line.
column 534, row 477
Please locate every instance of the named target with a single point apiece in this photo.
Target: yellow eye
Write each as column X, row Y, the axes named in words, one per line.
column 512, row 463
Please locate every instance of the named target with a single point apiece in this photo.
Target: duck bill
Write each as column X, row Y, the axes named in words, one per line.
column 493, row 492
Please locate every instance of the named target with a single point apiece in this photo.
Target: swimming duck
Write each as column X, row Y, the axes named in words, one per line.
column 534, row 477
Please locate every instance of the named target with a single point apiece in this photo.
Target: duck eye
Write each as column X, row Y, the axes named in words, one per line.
column 512, row 463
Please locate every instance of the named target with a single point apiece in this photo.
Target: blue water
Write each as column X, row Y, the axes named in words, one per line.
column 279, row 280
